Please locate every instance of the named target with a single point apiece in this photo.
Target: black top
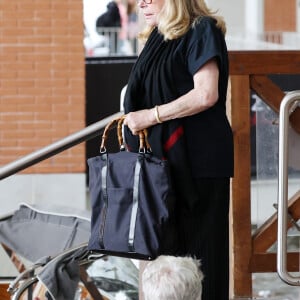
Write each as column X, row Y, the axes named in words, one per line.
column 163, row 72
column 110, row 18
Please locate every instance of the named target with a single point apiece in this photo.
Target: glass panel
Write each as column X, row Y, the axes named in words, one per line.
column 269, row 286
column 264, row 192
column 264, row 183
column 116, row 277
column 110, row 29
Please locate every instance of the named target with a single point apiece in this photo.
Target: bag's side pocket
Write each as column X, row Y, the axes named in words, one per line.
column 118, row 219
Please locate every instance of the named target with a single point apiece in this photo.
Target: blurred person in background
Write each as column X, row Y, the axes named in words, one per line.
column 111, row 17
column 133, row 25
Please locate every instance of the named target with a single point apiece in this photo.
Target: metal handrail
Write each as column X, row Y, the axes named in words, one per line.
column 56, row 147
column 289, row 103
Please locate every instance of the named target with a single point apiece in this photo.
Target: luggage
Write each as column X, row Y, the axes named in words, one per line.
column 132, row 200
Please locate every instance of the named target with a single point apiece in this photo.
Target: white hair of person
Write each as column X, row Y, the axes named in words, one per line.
column 172, row 278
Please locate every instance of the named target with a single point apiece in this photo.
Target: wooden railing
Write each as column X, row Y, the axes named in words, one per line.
column 249, row 70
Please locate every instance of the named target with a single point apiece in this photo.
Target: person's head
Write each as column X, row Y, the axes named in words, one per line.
column 174, row 17
column 172, row 278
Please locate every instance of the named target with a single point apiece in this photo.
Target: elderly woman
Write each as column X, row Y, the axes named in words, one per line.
column 177, row 89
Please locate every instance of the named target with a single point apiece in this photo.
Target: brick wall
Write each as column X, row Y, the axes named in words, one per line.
column 280, row 15
column 42, row 96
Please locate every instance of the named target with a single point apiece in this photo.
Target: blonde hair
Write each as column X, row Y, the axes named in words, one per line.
column 177, row 16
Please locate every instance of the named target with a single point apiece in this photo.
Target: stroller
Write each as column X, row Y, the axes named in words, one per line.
column 54, row 240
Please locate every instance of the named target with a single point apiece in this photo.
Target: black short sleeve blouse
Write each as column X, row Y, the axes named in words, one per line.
column 164, row 71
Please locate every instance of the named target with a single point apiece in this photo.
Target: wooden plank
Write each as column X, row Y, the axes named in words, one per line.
column 4, row 295
column 295, row 119
column 294, row 206
column 264, row 62
column 267, row 262
column 270, row 93
column 89, row 284
column 266, row 235
column 240, row 205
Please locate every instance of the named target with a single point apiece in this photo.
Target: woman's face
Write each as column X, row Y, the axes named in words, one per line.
column 151, row 10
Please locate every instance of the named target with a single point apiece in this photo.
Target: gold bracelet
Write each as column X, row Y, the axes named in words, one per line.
column 156, row 114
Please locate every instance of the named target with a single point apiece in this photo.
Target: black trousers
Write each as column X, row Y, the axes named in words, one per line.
column 205, row 235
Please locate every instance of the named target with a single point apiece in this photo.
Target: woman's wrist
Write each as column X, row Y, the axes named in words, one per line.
column 156, row 114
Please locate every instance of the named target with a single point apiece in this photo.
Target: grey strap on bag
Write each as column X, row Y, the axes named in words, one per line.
column 105, row 199
column 135, row 204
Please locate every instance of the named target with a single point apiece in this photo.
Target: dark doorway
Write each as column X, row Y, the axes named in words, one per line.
column 105, row 78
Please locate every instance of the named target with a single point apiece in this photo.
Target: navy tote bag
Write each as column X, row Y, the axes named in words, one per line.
column 132, row 200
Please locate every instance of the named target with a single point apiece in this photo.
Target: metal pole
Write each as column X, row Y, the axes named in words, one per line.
column 289, row 99
column 57, row 147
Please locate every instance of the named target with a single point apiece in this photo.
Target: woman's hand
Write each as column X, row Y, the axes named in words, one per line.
column 139, row 120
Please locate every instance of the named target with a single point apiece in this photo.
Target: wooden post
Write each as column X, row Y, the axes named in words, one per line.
column 240, row 206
